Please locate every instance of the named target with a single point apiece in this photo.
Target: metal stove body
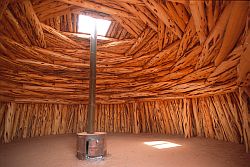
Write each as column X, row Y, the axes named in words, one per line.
column 91, row 145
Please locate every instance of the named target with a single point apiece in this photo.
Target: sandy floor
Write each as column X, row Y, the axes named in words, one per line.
column 126, row 151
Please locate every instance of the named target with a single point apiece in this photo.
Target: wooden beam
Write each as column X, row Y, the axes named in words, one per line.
column 200, row 21
column 210, row 15
column 27, row 18
column 141, row 15
column 245, row 122
column 235, row 26
column 94, row 14
column 182, row 12
column 163, row 54
column 57, row 23
column 141, row 41
column 3, row 49
column 54, row 12
column 184, row 2
column 189, row 38
column 243, row 67
column 214, row 37
column 86, row 36
column 98, row 7
column 59, row 35
column 124, row 24
column 69, row 21
column 3, row 6
column 170, row 9
column 159, row 11
column 147, row 12
column 16, row 49
column 135, row 2
column 161, row 34
column 9, row 118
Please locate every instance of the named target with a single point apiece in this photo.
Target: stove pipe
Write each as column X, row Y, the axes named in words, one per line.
column 92, row 83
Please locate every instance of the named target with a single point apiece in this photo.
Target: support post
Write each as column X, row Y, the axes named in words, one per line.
column 92, row 83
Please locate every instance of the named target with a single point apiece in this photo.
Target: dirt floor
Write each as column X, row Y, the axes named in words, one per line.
column 126, row 150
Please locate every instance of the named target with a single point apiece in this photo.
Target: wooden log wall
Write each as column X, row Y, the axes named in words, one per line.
column 222, row 117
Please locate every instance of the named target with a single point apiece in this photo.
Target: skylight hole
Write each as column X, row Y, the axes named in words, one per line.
column 86, row 25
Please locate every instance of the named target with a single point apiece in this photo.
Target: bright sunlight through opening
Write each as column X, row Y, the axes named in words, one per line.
column 86, row 24
column 161, row 144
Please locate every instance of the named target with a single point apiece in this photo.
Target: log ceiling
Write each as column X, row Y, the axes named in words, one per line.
column 153, row 50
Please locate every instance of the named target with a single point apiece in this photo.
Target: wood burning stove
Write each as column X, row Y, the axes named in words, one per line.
column 91, row 144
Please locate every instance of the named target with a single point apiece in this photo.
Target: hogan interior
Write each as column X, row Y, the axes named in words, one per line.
column 164, row 66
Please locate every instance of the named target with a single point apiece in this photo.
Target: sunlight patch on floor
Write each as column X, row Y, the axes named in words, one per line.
column 161, row 144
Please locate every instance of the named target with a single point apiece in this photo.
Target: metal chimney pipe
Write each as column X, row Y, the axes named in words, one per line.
column 92, row 83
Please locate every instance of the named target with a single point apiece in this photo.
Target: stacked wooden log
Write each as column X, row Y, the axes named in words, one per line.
column 183, row 56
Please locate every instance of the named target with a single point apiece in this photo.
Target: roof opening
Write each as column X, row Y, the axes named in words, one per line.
column 86, row 24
